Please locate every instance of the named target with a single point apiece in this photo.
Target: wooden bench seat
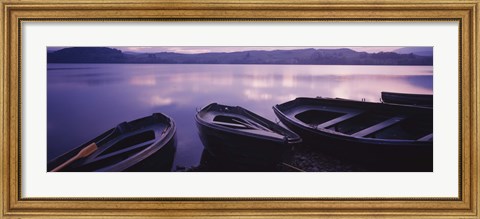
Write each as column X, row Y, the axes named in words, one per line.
column 339, row 119
column 378, row 127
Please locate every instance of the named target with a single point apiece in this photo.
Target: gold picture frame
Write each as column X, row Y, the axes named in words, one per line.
column 15, row 12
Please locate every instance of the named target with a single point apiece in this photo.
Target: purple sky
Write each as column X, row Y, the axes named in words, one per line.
column 206, row 49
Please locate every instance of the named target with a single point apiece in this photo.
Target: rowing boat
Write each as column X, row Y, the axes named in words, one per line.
column 408, row 99
column 369, row 132
column 236, row 135
column 143, row 145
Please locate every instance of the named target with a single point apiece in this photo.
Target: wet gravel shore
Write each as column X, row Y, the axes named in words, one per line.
column 303, row 159
column 310, row 160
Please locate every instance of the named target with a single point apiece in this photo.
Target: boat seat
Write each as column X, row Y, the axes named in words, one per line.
column 229, row 124
column 379, row 126
column 426, row 137
column 339, row 119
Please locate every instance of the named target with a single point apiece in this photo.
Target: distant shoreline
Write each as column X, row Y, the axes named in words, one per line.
column 105, row 55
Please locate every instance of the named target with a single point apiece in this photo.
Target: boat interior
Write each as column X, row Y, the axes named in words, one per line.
column 365, row 123
column 236, row 122
column 121, row 143
column 245, row 124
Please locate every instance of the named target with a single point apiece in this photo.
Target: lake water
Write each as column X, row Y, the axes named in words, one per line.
column 84, row 100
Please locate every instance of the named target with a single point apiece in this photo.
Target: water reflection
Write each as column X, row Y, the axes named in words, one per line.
column 83, row 100
column 143, row 80
column 256, row 95
column 289, row 80
column 258, row 80
column 160, row 101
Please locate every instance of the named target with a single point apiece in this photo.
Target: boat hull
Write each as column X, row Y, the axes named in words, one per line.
column 243, row 151
column 160, row 161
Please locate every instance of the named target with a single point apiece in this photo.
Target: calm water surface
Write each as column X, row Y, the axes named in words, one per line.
column 84, row 100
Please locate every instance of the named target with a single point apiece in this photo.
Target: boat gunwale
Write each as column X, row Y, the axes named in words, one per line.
column 409, row 99
column 406, row 94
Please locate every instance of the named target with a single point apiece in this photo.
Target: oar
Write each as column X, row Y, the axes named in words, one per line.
column 245, row 124
column 293, row 167
column 250, row 125
column 86, row 151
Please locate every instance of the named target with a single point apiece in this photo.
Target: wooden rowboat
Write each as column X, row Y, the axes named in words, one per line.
column 376, row 133
column 239, row 136
column 408, row 99
column 145, row 144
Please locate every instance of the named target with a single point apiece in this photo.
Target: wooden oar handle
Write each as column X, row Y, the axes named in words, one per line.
column 63, row 165
column 86, row 151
